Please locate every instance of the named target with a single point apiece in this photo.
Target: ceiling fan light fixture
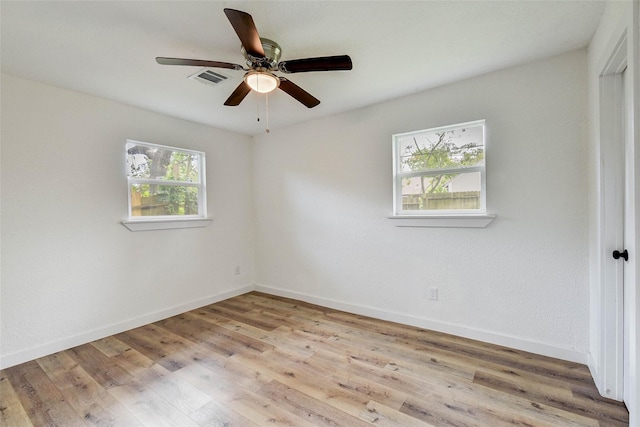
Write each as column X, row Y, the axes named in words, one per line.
column 262, row 81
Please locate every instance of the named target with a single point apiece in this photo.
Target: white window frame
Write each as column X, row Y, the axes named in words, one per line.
column 158, row 222
column 439, row 218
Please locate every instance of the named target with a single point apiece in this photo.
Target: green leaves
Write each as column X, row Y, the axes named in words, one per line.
column 442, row 150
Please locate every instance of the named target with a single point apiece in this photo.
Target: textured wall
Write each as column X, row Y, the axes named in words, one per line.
column 324, row 191
column 69, row 268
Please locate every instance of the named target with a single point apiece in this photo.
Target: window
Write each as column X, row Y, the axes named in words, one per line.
column 165, row 182
column 440, row 171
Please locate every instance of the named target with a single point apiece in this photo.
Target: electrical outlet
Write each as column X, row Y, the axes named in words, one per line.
column 432, row 294
column 237, row 270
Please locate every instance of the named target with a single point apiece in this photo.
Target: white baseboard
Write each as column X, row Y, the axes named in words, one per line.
column 70, row 342
column 458, row 330
column 593, row 368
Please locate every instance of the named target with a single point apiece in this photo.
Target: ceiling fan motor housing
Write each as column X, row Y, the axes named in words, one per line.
column 272, row 53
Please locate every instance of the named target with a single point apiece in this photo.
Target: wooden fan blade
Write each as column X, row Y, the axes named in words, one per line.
column 197, row 63
column 298, row 93
column 238, row 95
column 246, row 30
column 325, row 63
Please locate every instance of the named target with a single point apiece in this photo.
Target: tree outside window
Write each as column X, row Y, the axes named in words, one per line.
column 164, row 181
column 440, row 170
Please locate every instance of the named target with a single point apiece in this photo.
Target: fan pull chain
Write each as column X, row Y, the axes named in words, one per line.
column 258, row 108
column 267, row 109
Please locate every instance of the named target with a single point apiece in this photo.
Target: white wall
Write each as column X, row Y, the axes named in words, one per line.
column 70, row 271
column 324, row 191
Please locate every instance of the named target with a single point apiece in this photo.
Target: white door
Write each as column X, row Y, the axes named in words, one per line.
column 628, row 265
column 616, row 348
column 623, row 262
column 612, row 225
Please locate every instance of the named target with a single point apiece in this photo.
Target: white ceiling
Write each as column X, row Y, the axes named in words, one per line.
column 108, row 49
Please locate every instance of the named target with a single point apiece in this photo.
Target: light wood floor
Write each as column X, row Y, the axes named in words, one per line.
column 269, row 361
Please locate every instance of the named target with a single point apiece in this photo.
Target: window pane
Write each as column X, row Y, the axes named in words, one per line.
column 160, row 200
column 442, row 192
column 149, row 162
column 441, row 148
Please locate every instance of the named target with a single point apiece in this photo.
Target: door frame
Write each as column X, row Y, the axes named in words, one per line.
column 611, row 220
column 612, row 306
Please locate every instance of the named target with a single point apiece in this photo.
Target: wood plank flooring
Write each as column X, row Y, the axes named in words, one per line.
column 260, row 360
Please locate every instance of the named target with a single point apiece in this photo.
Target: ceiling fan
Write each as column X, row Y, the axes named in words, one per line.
column 262, row 58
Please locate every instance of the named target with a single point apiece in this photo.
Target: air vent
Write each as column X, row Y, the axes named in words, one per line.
column 209, row 77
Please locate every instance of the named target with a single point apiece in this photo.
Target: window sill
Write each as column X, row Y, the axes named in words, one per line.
column 444, row 221
column 165, row 224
